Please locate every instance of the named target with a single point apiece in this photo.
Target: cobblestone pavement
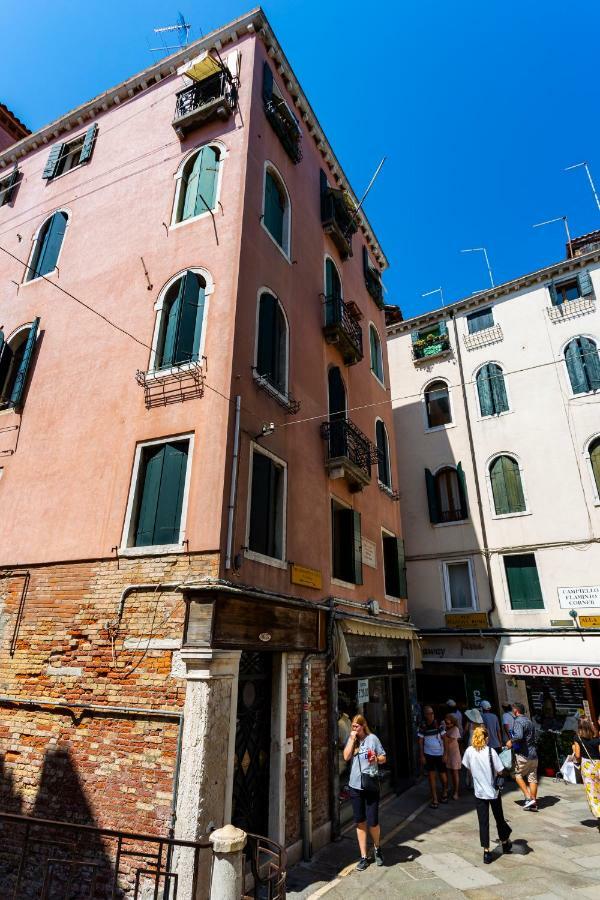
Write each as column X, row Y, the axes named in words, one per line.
column 436, row 853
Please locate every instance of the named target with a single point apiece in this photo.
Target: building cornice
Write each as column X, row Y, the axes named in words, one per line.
column 254, row 21
column 467, row 304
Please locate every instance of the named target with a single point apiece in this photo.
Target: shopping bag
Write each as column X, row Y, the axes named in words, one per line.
column 568, row 770
column 506, row 758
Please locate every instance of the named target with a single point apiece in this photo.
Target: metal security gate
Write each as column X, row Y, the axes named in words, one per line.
column 252, row 744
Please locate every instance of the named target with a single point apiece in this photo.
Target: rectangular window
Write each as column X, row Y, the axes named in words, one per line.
column 159, row 494
column 394, row 566
column 346, row 544
column 480, row 319
column 8, row 186
column 523, row 582
column 267, row 506
column 458, row 582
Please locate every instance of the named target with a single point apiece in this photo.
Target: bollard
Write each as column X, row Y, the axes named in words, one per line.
column 226, row 882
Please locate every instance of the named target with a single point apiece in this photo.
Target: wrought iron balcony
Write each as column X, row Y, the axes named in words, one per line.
column 350, row 453
column 174, row 384
column 343, row 328
column 214, row 97
column 337, row 216
column 430, row 346
column 285, row 126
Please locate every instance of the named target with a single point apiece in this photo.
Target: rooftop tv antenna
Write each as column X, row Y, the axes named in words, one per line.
column 590, row 179
column 434, row 291
column 181, row 31
column 562, row 219
column 487, row 262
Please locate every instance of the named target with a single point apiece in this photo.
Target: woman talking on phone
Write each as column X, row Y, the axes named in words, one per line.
column 367, row 754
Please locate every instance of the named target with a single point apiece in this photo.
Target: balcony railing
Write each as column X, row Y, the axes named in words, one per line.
column 285, row 126
column 432, row 345
column 213, row 97
column 337, row 217
column 343, row 328
column 286, row 401
column 350, row 453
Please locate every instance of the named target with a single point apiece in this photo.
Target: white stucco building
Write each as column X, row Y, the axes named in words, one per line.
column 497, row 417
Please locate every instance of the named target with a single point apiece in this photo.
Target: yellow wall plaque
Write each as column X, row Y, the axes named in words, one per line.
column 311, row 578
column 589, row 621
column 466, row 620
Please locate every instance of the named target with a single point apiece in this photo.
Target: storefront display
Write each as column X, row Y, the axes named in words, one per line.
column 457, row 667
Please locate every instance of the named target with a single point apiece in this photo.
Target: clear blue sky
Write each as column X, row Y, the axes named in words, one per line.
column 478, row 107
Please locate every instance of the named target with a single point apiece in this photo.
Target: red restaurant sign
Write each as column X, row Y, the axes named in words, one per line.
column 557, row 670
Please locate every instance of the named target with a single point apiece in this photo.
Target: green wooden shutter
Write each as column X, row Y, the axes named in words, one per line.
column 207, row 180
column 274, row 209
column 48, row 246
column 7, row 192
column 584, row 283
column 554, row 297
column 170, row 498
column 595, row 461
column 152, row 463
column 191, row 188
column 497, row 389
column 523, row 582
column 402, row 567
column 383, row 455
column 267, row 88
column 52, row 163
column 265, row 362
column 373, row 345
column 514, row 486
column 191, row 314
column 442, row 328
column 358, row 578
column 394, row 566
column 591, row 363
column 462, row 490
column 575, row 367
column 16, row 397
column 432, row 501
column 171, row 314
column 499, row 494
column 88, row 143
column 484, row 391
column 258, row 538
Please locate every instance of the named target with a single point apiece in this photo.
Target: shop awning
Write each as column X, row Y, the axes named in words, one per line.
column 560, row 656
column 375, row 629
column 201, row 67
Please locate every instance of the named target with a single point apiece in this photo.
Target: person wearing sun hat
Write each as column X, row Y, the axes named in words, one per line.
column 474, row 718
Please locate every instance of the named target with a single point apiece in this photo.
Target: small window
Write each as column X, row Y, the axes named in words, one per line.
column 507, row 488
column 271, row 352
column 376, row 353
column 594, row 454
column 458, row 582
column 159, row 494
column 571, row 289
column 182, row 321
column 276, row 213
column 199, row 182
column 267, row 506
column 437, row 404
column 583, row 365
column 394, row 566
column 8, row 186
column 491, row 390
column 383, row 454
column 523, row 582
column 47, row 246
column 15, row 362
column 446, row 495
column 480, row 319
column 64, row 157
column 346, row 544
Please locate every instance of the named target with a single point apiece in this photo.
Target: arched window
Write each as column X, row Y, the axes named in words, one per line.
column 272, row 343
column 383, row 454
column 507, row 488
column 491, row 390
column 199, row 183
column 437, row 404
column 333, row 293
column 47, row 246
column 447, row 494
column 594, row 454
column 15, row 360
column 336, row 391
column 182, row 320
column 376, row 353
column 583, row 365
column 276, row 212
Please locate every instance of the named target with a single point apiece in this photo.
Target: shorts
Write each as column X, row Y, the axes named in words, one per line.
column 526, row 768
column 434, row 763
column 365, row 806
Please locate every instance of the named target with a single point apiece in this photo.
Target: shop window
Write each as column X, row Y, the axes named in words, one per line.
column 480, row 320
column 66, row 156
column 507, row 486
column 16, row 356
column 437, row 404
column 583, row 365
column 197, row 187
column 491, row 390
column 523, row 581
column 267, row 505
column 272, row 343
column 159, row 494
column 376, row 353
column 181, row 321
column 346, row 543
column 383, row 454
column 394, row 566
column 459, row 586
column 47, row 246
column 446, row 495
column 276, row 210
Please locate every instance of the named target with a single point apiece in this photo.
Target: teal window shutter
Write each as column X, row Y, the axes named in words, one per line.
column 271, row 358
column 161, row 496
column 484, row 391
column 183, row 318
column 462, row 491
column 48, row 246
column 267, row 88
column 432, row 499
column 358, row 578
column 266, row 509
column 442, row 328
column 497, row 389
column 52, row 163
column 583, row 365
column 584, row 283
column 333, row 294
column 591, row 362
column 507, row 488
column 479, row 320
column 8, row 186
column 554, row 296
column 88, row 143
column 200, row 183
column 595, row 462
column 394, row 566
column 523, row 582
column 376, row 353
column 383, row 454
column 16, row 397
column 274, row 208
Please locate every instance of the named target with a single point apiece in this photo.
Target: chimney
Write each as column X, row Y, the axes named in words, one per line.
column 584, row 244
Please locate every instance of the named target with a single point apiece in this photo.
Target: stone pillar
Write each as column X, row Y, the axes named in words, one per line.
column 226, row 881
column 206, row 773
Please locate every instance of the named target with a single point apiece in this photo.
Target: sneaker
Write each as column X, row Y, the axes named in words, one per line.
column 363, row 864
column 378, row 856
column 530, row 804
column 507, row 847
column 487, row 857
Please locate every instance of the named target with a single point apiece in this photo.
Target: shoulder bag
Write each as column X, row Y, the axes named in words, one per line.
column 368, row 782
column 497, row 780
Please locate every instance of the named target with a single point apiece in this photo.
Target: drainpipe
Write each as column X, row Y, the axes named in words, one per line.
column 142, row 587
column 233, row 488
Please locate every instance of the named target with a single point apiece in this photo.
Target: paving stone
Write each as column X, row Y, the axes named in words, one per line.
column 456, row 871
column 589, row 862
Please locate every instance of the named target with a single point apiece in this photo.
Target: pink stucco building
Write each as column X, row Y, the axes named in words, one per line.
column 197, row 514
